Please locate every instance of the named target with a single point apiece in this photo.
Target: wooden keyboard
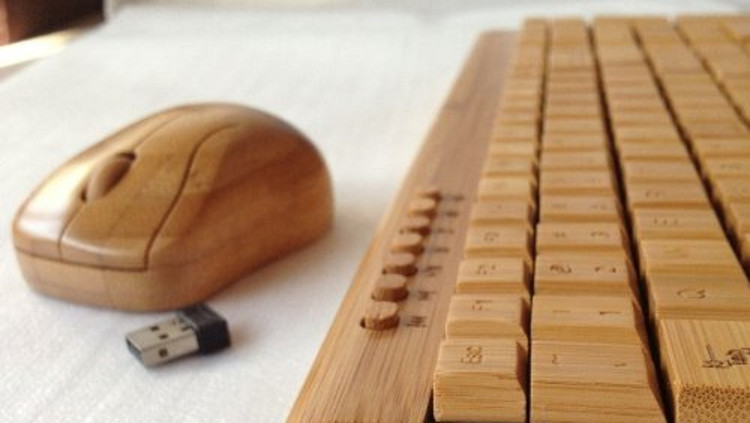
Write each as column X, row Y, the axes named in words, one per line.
column 569, row 243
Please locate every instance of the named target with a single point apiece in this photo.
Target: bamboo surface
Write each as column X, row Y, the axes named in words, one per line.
column 171, row 209
column 587, row 330
column 386, row 376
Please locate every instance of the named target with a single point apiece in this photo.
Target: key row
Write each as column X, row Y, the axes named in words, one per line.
column 482, row 363
column 724, row 158
column 400, row 264
column 587, row 327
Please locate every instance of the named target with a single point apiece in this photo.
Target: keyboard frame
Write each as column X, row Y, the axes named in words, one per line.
column 361, row 375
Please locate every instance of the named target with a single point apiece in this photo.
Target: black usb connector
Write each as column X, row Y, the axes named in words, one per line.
column 196, row 329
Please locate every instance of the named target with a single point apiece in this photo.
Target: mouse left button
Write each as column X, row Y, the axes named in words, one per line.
column 106, row 175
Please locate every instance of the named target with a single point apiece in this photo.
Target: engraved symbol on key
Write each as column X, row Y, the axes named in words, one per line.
column 599, row 234
column 560, row 268
column 674, row 252
column 484, row 269
column 607, row 269
column 654, row 194
column 491, row 236
column 598, row 206
column 555, row 358
column 558, row 206
column 713, row 361
column 473, row 355
column 739, row 356
column 664, row 221
column 479, row 305
column 559, row 235
column 692, row 293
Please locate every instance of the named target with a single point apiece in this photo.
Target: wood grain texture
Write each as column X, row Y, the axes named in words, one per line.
column 696, row 289
column 707, row 366
column 210, row 193
column 618, row 384
column 363, row 376
column 481, row 380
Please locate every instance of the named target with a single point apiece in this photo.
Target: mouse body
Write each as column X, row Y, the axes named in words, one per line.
column 172, row 208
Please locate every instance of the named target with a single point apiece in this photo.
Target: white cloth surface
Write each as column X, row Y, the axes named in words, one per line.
column 364, row 81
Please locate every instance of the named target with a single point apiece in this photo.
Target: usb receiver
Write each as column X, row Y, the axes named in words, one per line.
column 196, row 329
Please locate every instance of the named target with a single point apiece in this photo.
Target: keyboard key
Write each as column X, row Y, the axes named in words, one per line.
column 571, row 143
column 492, row 276
column 515, row 150
column 695, row 297
column 707, row 367
column 524, row 133
column 653, row 171
column 592, row 383
column 591, row 238
column 400, row 263
column 506, row 188
column 560, row 208
column 655, row 152
column 480, row 316
column 498, row 241
column 674, row 195
column 586, row 183
column 381, row 315
column 390, row 287
column 417, row 224
column 680, row 257
column 575, row 274
column 745, row 250
column 676, row 224
column 593, row 319
column 480, row 380
column 501, row 166
column 646, row 135
column 408, row 242
column 590, row 160
column 501, row 212
column 731, row 190
column 423, row 207
column 707, row 148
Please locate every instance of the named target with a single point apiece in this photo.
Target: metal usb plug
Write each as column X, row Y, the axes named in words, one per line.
column 196, row 329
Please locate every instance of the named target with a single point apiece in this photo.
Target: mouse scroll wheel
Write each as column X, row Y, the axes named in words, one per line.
column 106, row 175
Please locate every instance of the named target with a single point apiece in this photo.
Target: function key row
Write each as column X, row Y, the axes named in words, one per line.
column 400, row 263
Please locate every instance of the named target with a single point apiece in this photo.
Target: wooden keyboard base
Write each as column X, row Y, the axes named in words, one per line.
column 568, row 244
column 366, row 376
